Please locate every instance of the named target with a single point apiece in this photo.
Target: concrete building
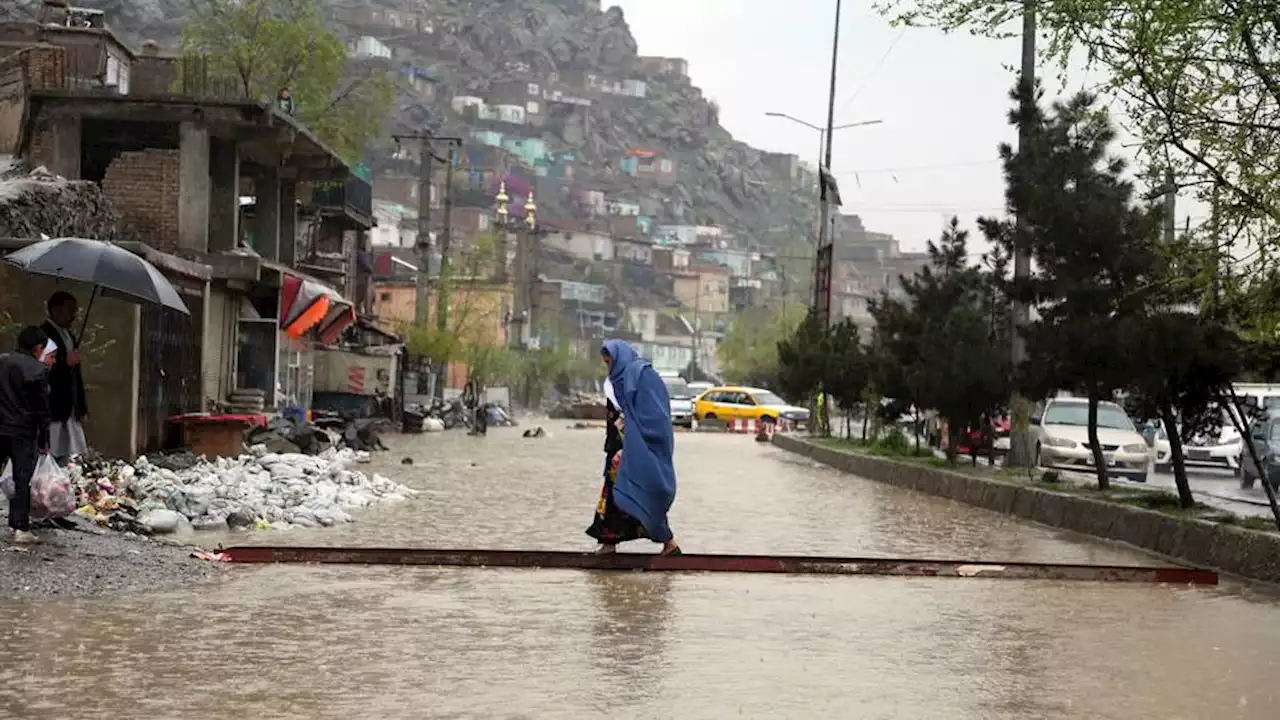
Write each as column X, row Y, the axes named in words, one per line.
column 587, row 245
column 176, row 166
column 397, row 225
column 653, row 65
column 875, row 259
column 701, row 288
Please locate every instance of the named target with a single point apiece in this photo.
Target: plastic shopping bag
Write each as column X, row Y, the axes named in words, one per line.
column 51, row 493
column 6, row 480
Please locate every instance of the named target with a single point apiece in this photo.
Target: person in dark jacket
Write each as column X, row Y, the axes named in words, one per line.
column 24, row 423
column 67, row 405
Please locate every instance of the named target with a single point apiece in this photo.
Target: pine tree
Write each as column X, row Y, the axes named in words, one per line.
column 1092, row 246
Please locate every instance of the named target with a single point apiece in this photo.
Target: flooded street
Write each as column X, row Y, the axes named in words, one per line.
column 343, row 642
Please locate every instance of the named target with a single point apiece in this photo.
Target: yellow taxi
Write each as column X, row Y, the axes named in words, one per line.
column 734, row 402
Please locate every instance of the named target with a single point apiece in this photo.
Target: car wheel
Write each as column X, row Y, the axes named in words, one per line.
column 769, row 420
column 709, row 416
column 1139, row 478
column 1037, row 460
column 1162, row 468
column 1246, row 480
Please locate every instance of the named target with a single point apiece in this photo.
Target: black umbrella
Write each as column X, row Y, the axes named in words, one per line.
column 110, row 268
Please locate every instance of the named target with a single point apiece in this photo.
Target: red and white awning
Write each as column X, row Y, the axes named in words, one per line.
column 307, row 305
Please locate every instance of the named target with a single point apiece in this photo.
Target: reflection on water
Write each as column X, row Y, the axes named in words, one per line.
column 344, row 642
column 632, row 613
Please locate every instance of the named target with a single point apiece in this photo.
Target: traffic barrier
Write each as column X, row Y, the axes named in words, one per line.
column 744, row 426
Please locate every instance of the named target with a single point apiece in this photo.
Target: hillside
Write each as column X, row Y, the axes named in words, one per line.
column 572, row 51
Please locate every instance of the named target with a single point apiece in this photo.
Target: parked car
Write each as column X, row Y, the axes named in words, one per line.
column 1062, row 438
column 681, row 400
column 1219, row 451
column 732, row 402
column 1264, row 435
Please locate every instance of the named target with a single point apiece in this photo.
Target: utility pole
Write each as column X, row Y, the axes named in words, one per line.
column 1170, row 206
column 444, row 289
column 423, row 244
column 826, row 244
column 1021, row 440
column 446, row 244
column 822, row 264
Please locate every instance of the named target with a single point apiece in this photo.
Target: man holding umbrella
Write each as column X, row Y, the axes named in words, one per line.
column 67, row 406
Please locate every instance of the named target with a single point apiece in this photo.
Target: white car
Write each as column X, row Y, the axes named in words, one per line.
column 1221, row 452
column 681, row 400
column 1062, row 439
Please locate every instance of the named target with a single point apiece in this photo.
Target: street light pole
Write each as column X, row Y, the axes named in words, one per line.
column 824, row 155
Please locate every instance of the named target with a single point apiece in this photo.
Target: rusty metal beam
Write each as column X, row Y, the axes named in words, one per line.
column 720, row 563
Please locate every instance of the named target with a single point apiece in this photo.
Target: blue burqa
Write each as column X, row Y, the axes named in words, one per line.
column 646, row 484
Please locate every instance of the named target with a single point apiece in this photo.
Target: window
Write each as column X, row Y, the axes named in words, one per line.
column 713, row 397
column 532, row 108
column 385, row 297
column 1275, row 433
column 1077, row 413
column 768, row 398
column 666, row 166
column 533, row 90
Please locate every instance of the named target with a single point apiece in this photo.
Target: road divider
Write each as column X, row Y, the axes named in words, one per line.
column 1240, row 551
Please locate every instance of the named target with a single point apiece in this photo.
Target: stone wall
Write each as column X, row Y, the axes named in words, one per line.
column 1248, row 553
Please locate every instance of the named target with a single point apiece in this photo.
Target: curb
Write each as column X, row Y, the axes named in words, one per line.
column 1239, row 551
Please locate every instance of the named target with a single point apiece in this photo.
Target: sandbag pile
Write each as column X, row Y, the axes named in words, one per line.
column 257, row 490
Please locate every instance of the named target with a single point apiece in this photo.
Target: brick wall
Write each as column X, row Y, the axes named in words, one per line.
column 143, row 186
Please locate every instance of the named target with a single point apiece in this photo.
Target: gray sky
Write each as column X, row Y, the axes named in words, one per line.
column 942, row 98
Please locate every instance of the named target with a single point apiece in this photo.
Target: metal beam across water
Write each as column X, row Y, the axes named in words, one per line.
column 785, row 564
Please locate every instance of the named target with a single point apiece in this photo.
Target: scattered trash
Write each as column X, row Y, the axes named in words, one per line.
column 407, row 461
column 211, row 556
column 535, row 432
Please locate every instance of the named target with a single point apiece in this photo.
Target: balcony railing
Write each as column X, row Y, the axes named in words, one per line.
column 354, row 194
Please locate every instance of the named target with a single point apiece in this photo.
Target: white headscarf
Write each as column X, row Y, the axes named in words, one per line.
column 608, row 392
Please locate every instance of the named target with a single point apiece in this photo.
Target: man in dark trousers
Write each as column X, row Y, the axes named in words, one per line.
column 67, row 405
column 24, row 423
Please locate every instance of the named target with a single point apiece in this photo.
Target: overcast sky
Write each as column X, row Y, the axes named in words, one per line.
column 943, row 99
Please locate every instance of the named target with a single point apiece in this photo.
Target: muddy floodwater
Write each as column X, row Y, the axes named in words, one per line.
column 345, row 642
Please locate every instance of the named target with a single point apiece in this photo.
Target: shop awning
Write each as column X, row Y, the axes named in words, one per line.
column 307, row 304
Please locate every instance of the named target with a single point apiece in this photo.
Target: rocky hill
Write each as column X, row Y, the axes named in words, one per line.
column 467, row 48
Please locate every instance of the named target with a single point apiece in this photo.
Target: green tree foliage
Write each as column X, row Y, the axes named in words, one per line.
column 938, row 345
column 1094, row 250
column 1197, row 79
column 749, row 352
column 264, row 45
column 803, row 361
column 850, row 369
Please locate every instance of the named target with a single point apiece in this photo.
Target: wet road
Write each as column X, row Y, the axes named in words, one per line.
column 344, row 642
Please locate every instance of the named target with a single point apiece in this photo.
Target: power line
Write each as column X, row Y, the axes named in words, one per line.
column 875, row 69
column 920, row 209
column 912, row 168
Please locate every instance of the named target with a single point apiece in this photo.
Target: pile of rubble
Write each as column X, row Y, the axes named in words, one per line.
column 257, row 490
column 580, row 406
column 37, row 201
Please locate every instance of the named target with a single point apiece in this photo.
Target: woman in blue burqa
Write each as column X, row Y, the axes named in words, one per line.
column 639, row 478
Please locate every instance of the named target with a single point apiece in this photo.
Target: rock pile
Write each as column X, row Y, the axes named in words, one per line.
column 262, row 490
column 37, row 201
